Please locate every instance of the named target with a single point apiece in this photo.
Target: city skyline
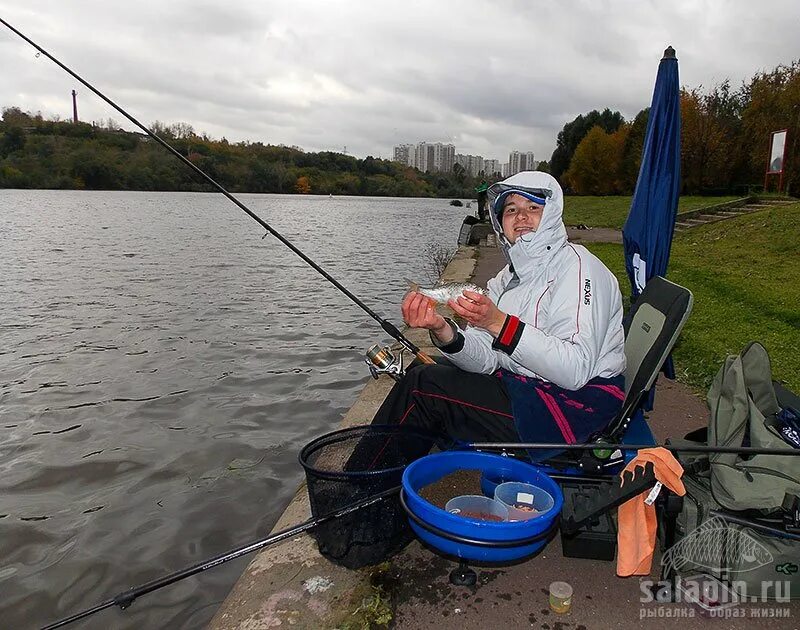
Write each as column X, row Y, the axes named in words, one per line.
column 429, row 157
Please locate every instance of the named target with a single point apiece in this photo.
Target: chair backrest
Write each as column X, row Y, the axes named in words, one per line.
column 651, row 330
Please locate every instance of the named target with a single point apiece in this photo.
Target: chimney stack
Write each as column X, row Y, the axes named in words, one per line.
column 74, row 106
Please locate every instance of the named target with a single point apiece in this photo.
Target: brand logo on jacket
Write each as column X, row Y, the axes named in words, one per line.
column 587, row 291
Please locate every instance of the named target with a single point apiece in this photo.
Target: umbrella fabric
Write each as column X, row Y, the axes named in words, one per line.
column 647, row 233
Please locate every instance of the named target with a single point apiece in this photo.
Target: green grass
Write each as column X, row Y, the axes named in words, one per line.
column 744, row 275
column 611, row 212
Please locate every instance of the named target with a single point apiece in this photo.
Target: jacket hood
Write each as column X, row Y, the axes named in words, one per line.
column 530, row 253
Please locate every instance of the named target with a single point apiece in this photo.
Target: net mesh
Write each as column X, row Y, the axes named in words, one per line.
column 353, row 464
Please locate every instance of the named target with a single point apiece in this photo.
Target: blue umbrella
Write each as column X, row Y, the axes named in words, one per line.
column 647, row 233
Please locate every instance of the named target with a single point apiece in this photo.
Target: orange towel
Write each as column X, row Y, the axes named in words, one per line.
column 636, row 536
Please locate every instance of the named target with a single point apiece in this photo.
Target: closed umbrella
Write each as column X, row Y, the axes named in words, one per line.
column 647, row 233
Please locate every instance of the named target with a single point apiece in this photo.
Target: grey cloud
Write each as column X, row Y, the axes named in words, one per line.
column 490, row 77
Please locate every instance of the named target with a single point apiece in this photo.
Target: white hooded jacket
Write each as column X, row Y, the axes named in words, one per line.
column 564, row 306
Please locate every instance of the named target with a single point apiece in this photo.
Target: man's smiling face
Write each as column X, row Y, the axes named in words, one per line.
column 520, row 216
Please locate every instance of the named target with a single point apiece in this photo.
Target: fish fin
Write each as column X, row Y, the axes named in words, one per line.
column 412, row 286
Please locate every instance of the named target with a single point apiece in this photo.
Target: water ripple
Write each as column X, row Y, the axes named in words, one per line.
column 153, row 378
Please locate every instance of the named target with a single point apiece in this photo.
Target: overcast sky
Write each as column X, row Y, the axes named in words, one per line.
column 490, row 77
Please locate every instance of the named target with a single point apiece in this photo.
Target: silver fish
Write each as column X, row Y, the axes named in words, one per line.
column 442, row 293
column 708, row 545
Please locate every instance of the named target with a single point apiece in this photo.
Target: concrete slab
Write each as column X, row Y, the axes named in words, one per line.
column 517, row 597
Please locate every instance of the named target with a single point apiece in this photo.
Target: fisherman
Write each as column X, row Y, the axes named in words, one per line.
column 542, row 357
column 482, row 197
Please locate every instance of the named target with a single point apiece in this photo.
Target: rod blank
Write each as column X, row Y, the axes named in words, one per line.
column 126, row 598
column 700, row 448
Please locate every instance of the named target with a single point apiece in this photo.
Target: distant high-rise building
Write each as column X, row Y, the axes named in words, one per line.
column 505, row 169
column 491, row 167
column 520, row 161
column 448, row 158
column 473, row 164
column 435, row 157
column 424, row 158
column 405, row 154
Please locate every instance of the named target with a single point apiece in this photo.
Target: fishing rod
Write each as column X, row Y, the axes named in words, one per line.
column 602, row 446
column 126, row 598
column 387, row 326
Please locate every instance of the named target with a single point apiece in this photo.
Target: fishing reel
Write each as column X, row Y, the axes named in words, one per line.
column 382, row 361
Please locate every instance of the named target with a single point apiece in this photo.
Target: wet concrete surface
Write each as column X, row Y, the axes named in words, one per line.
column 517, row 597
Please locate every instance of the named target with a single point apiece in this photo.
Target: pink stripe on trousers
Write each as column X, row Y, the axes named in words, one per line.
column 615, row 391
column 558, row 416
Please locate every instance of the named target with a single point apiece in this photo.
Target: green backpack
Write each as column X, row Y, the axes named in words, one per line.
column 743, row 401
column 729, row 495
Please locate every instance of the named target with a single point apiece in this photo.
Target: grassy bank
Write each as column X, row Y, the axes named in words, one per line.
column 743, row 273
column 611, row 212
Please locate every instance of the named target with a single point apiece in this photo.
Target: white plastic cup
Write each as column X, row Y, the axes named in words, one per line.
column 477, row 507
column 523, row 500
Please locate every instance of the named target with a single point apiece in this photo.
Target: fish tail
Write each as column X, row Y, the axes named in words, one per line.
column 412, row 286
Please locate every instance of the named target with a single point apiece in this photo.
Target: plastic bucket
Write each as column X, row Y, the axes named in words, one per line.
column 523, row 500
column 470, row 538
column 477, row 507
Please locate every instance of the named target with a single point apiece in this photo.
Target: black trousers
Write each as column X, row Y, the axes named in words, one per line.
column 445, row 399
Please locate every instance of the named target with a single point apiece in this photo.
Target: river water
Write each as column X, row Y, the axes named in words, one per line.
column 161, row 365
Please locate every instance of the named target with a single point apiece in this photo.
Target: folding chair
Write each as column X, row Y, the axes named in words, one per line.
column 588, row 478
column 651, row 331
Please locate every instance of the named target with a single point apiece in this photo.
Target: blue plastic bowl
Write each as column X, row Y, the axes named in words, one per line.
column 493, row 477
column 479, row 540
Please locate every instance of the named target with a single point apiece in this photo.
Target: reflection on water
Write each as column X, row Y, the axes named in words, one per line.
column 160, row 367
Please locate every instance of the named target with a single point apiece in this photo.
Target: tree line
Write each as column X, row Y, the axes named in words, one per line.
column 57, row 154
column 725, row 136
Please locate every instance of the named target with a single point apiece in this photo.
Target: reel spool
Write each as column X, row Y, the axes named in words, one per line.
column 382, row 361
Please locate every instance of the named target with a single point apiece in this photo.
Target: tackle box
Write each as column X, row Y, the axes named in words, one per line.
column 596, row 539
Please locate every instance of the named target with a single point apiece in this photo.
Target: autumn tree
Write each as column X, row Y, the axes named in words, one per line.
column 709, row 131
column 459, row 173
column 573, row 132
column 772, row 103
column 631, row 158
column 302, row 185
column 594, row 169
column 13, row 139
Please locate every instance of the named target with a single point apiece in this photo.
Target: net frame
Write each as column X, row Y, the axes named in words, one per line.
column 353, row 464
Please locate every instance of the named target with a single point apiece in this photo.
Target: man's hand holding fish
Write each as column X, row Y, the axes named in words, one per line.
column 419, row 311
column 479, row 310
